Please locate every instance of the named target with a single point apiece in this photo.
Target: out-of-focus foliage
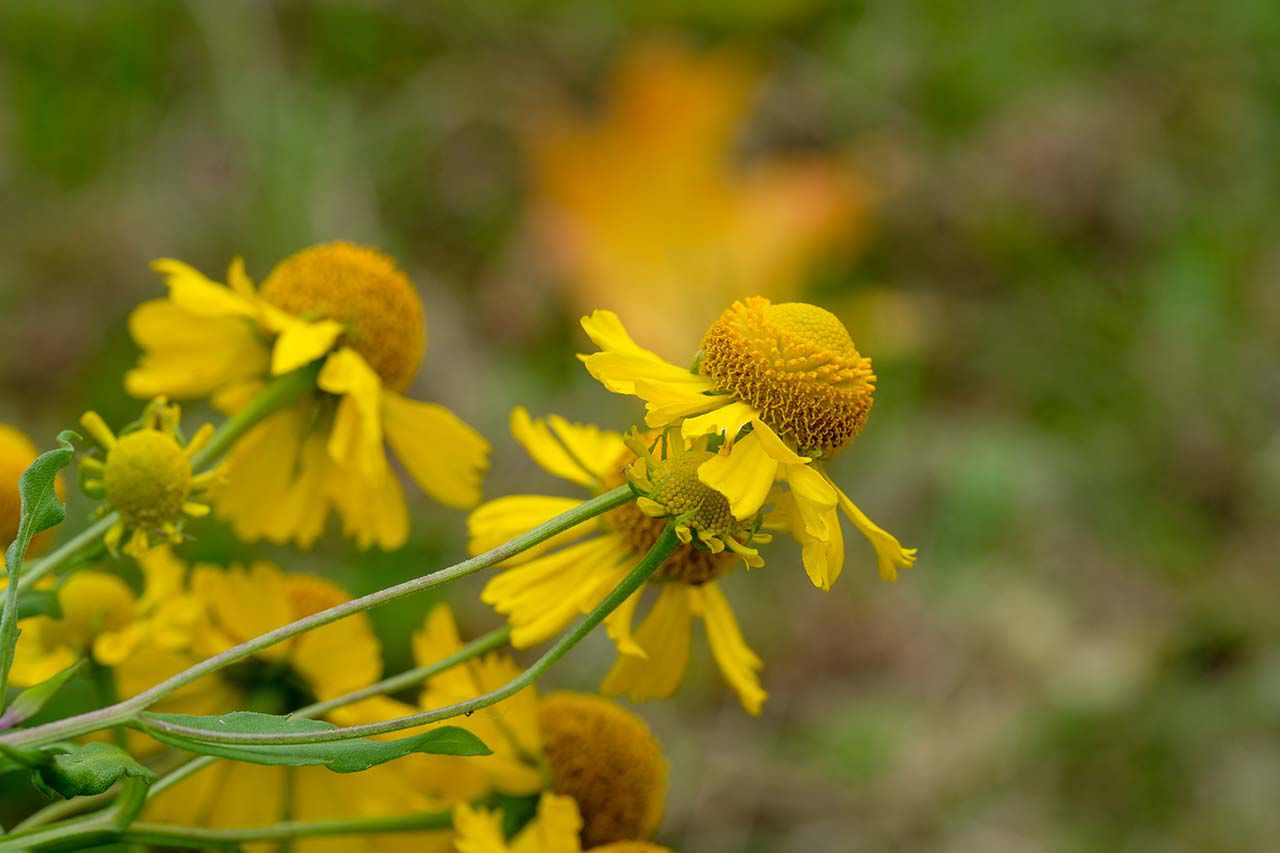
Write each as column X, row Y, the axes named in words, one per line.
column 1068, row 281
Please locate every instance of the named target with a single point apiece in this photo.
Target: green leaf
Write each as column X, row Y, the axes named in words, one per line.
column 82, row 771
column 38, row 602
column 31, row 700
column 41, row 508
column 342, row 756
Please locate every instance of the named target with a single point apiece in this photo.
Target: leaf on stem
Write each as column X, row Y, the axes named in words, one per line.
column 41, row 508
column 31, row 700
column 343, row 756
column 83, row 771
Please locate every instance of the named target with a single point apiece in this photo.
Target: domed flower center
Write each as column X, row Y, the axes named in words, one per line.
column 796, row 365
column 687, row 564
column 147, row 478
column 364, row 290
column 608, row 761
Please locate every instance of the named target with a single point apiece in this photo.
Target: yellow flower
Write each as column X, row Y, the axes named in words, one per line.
column 544, row 589
column 146, row 477
column 601, row 772
column 16, row 453
column 785, row 388
column 648, row 205
column 353, row 309
column 555, row 829
column 92, row 604
column 239, row 603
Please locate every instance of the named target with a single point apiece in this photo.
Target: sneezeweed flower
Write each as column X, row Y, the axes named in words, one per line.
column 542, row 590
column 16, row 453
column 600, row 773
column 236, row 604
column 698, row 225
column 785, row 389
column 351, row 309
column 91, row 604
column 145, row 475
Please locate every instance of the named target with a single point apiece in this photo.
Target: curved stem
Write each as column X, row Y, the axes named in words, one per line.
column 127, row 712
column 656, row 556
column 480, row 645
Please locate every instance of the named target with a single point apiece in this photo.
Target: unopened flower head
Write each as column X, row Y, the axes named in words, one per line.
column 797, row 366
column 608, row 761
column 146, row 477
column 666, row 476
column 542, row 590
column 363, row 290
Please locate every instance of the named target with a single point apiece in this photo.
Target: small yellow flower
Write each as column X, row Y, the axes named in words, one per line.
column 91, row 604
column 352, row 309
column 16, row 453
column 785, row 389
column 145, row 476
column 649, row 204
column 544, row 589
column 601, row 772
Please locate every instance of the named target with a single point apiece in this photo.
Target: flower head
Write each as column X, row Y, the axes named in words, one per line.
column 353, row 312
column 145, row 475
column 542, row 590
column 16, row 453
column 782, row 388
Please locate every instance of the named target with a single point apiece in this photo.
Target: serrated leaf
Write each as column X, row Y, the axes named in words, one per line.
column 83, row 771
column 343, row 756
column 31, row 700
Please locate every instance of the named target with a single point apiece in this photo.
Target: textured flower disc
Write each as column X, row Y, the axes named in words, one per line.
column 364, row 290
column 797, row 366
column 631, row 847
column 147, row 478
column 608, row 761
column 686, row 564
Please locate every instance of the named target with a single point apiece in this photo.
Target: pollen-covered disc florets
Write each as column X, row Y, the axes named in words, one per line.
column 146, row 476
column 608, row 761
column 362, row 289
column 666, row 477
column 796, row 364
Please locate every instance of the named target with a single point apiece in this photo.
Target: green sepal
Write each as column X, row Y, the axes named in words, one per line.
column 342, row 756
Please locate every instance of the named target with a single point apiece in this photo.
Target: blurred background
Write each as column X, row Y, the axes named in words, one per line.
column 1051, row 225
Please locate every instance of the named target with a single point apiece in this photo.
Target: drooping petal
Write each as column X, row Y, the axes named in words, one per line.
column 775, row 446
column 744, row 474
column 738, row 664
column 665, row 635
column 574, row 452
column 355, row 440
column 185, row 355
column 478, row 830
column 191, row 291
column 890, row 555
column 728, row 420
column 554, row 830
column 301, row 343
column 372, row 508
column 443, row 455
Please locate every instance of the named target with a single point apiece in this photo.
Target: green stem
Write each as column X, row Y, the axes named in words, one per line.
column 127, row 712
column 656, row 556
column 103, row 830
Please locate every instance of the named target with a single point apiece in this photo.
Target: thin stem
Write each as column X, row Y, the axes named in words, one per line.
column 126, row 712
column 67, row 551
column 656, row 556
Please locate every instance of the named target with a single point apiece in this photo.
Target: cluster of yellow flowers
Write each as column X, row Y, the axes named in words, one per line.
column 732, row 450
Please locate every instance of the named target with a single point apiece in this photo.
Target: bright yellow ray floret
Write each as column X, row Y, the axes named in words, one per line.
column 784, row 389
column 351, row 310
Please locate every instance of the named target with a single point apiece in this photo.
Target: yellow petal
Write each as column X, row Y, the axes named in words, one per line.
column 554, row 830
column 577, row 459
column 245, row 602
column 40, row 653
column 890, row 555
column 478, row 830
column 500, row 520
column 444, row 456
column 191, row 291
column 621, row 365
column 744, row 474
column 302, row 343
column 815, row 524
column 185, row 355
column 618, row 626
column 665, row 635
column 775, row 446
column 728, row 419
column 356, row 438
column 372, row 509
column 738, row 664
